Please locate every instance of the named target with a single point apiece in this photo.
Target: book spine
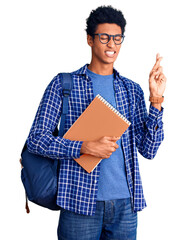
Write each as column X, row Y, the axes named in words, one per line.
column 113, row 109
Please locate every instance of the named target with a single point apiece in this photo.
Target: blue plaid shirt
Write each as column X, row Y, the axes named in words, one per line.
column 77, row 189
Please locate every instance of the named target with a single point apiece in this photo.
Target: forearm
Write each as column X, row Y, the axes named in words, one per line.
column 150, row 142
column 149, row 138
column 53, row 147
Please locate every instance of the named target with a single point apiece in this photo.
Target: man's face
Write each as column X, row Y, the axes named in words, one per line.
column 105, row 53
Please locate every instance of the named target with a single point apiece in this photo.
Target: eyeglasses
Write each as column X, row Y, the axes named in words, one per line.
column 105, row 38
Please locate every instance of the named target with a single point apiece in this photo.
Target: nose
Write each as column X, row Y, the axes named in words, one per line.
column 111, row 42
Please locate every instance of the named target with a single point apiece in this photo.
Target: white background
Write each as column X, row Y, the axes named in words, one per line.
column 42, row 38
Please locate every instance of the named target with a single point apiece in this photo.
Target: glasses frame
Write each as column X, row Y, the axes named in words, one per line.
column 109, row 37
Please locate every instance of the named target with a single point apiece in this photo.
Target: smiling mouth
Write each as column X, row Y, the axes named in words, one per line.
column 110, row 53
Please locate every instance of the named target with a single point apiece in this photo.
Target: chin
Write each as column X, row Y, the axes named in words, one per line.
column 110, row 61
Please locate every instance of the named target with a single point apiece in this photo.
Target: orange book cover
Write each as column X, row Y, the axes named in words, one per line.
column 99, row 119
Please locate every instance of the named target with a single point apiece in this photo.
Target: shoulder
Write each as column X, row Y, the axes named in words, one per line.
column 54, row 86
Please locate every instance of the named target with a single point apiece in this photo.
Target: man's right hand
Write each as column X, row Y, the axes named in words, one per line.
column 101, row 148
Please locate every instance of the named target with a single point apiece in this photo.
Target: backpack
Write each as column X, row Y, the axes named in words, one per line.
column 39, row 174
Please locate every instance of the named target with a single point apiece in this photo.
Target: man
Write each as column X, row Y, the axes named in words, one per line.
column 104, row 203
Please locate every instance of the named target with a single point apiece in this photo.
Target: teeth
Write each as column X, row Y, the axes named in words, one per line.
column 110, row 52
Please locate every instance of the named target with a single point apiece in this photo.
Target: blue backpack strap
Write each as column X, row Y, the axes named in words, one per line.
column 67, row 84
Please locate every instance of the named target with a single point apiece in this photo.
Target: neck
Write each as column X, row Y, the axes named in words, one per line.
column 102, row 69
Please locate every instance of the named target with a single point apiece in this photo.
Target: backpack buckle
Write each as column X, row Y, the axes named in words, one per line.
column 66, row 92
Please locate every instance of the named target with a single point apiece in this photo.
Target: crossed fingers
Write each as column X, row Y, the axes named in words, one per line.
column 157, row 70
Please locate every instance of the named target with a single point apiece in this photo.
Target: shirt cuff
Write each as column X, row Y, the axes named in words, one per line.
column 155, row 116
column 73, row 148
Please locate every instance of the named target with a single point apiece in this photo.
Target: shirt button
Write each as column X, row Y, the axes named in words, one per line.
column 95, row 181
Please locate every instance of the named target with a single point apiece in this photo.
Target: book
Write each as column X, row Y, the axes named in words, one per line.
column 99, row 119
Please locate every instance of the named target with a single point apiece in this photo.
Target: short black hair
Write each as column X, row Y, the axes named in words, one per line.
column 104, row 14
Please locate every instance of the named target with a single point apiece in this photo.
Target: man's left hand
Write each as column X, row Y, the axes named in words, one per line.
column 157, row 80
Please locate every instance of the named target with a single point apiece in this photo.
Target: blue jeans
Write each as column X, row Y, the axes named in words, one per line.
column 113, row 219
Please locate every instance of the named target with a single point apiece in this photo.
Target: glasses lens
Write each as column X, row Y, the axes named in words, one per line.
column 104, row 38
column 118, row 39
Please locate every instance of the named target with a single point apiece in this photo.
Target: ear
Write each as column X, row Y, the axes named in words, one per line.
column 90, row 40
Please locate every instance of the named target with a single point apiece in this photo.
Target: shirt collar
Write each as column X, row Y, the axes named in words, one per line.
column 83, row 71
